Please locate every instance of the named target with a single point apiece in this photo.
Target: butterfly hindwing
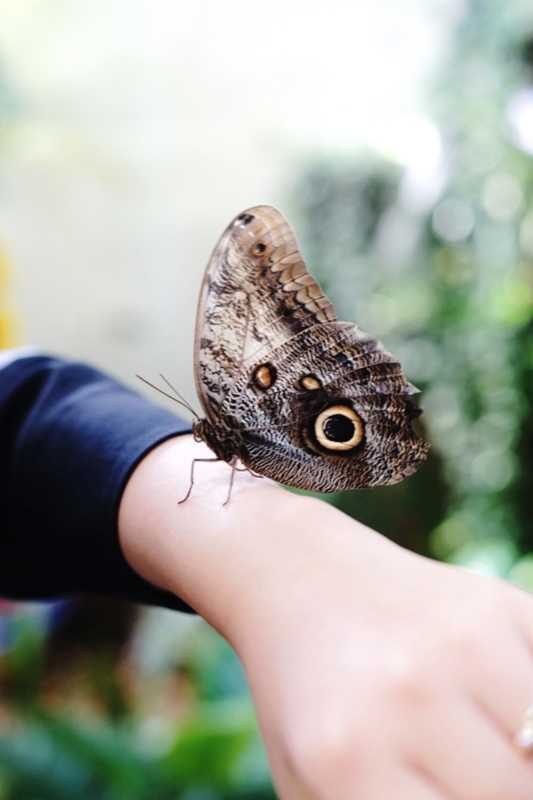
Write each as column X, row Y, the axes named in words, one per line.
column 328, row 369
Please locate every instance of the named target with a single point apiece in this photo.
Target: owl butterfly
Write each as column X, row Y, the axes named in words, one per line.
column 288, row 390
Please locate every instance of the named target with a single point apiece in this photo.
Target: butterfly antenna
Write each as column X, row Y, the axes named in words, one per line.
column 180, row 402
column 179, row 396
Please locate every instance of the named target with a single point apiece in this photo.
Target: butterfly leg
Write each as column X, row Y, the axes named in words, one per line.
column 193, row 462
column 232, row 478
column 247, row 469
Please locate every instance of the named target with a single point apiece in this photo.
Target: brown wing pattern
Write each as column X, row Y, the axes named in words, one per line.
column 295, row 394
column 348, row 368
column 256, row 293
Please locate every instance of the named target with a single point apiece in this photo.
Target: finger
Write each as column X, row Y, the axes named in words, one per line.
column 501, row 682
column 406, row 782
column 461, row 746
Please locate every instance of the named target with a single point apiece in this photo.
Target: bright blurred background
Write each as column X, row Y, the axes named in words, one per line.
column 398, row 139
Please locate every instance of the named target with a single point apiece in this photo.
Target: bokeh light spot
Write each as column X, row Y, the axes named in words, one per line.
column 453, row 220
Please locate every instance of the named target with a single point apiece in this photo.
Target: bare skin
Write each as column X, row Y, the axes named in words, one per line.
column 375, row 673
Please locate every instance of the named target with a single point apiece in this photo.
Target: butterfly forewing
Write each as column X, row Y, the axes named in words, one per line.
column 256, row 293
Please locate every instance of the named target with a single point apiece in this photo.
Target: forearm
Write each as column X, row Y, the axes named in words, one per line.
column 242, row 565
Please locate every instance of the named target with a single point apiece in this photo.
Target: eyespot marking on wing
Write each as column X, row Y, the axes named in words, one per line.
column 310, row 382
column 245, row 219
column 264, row 376
column 339, row 428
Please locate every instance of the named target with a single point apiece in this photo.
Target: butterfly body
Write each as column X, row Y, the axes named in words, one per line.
column 223, row 442
column 289, row 390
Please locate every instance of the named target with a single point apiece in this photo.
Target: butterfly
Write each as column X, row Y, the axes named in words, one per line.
column 289, row 391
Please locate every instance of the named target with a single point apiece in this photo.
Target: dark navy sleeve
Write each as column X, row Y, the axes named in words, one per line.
column 70, row 437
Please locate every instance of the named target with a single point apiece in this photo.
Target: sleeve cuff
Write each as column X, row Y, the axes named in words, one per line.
column 74, row 437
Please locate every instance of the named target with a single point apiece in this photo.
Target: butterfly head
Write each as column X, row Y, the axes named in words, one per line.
column 217, row 440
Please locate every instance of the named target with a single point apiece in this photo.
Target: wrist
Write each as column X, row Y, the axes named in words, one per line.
column 199, row 550
column 314, row 561
column 263, row 563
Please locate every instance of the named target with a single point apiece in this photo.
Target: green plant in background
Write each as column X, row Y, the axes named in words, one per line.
column 440, row 266
column 52, row 754
column 54, row 758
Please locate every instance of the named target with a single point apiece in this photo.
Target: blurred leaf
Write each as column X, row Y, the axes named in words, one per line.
column 207, row 750
column 214, row 667
column 69, row 760
column 24, row 661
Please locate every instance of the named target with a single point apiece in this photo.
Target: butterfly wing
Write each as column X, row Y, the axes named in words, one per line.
column 335, row 374
column 306, row 400
column 256, row 293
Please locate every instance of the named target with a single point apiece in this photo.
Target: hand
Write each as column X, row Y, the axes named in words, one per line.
column 376, row 673
column 391, row 675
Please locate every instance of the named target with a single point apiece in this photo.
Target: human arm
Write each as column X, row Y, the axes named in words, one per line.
column 375, row 672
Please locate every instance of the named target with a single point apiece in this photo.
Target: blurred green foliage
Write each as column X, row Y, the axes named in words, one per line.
column 52, row 757
column 53, row 750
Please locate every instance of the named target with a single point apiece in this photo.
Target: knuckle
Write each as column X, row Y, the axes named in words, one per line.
column 463, row 641
column 330, row 750
column 468, row 640
column 411, row 682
